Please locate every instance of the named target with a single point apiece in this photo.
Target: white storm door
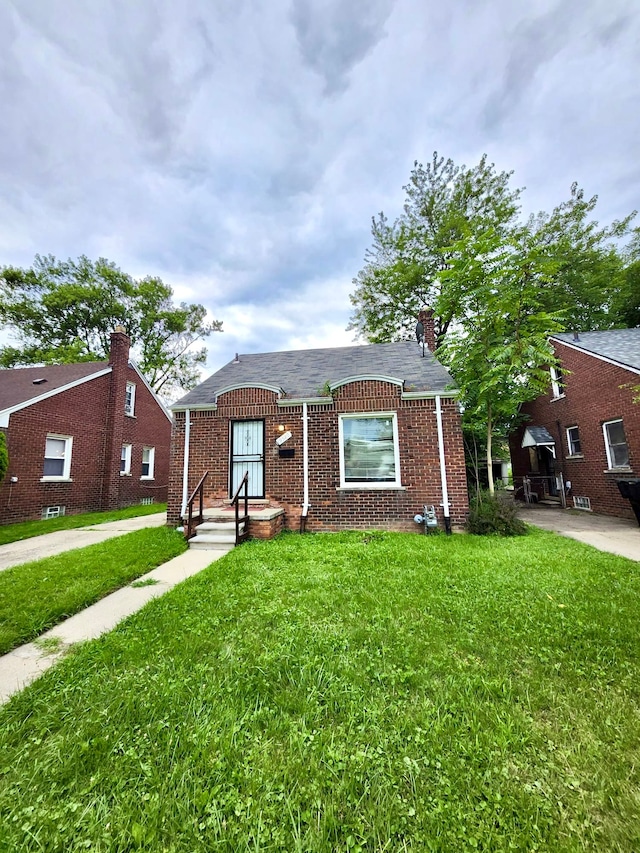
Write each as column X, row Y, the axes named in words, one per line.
column 247, row 454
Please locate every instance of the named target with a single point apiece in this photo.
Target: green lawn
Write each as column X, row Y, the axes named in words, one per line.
column 28, row 529
column 371, row 692
column 35, row 596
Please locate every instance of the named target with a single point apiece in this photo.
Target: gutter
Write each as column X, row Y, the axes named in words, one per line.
column 185, row 463
column 305, row 467
column 443, row 469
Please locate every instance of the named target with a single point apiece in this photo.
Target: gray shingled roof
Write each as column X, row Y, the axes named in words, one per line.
column 16, row 384
column 621, row 345
column 302, row 374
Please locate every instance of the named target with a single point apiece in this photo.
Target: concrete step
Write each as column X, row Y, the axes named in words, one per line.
column 211, row 526
column 208, row 543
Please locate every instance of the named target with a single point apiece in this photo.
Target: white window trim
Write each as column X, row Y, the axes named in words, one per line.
column 610, row 464
column 569, row 445
column 152, row 463
column 127, row 460
column 130, row 410
column 396, row 484
column 66, row 470
column 557, row 390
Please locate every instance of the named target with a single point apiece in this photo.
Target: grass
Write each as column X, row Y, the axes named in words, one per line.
column 36, row 596
column 341, row 693
column 28, row 529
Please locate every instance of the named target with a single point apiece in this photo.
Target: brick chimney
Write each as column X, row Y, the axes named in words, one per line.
column 114, row 420
column 120, row 344
column 425, row 317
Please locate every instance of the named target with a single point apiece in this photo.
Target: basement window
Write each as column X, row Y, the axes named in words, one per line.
column 582, row 503
column 369, row 454
column 53, row 511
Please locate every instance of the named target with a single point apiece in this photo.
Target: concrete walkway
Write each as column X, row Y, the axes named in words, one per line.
column 616, row 535
column 24, row 664
column 51, row 544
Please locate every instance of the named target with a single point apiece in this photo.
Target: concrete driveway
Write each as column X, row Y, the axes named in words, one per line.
column 616, row 535
column 65, row 540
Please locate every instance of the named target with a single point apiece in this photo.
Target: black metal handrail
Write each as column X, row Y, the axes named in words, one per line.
column 235, row 501
column 191, row 521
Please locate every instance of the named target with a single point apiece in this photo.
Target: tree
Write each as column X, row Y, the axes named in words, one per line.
column 405, row 266
column 498, row 351
column 407, row 263
column 589, row 262
column 65, row 311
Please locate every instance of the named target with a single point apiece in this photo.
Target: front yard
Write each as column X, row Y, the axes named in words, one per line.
column 364, row 691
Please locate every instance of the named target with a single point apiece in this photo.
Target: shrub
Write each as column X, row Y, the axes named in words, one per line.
column 494, row 515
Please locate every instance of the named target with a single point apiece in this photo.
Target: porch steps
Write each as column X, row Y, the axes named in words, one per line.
column 217, row 536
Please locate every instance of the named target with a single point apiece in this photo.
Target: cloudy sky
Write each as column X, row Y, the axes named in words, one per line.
column 239, row 149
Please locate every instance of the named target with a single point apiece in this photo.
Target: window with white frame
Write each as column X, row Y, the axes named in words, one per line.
column 369, row 455
column 557, row 382
column 615, row 442
column 573, row 441
column 148, row 459
column 57, row 457
column 130, row 399
column 125, row 459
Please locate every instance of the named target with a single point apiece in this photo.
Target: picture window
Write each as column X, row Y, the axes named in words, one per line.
column 369, row 455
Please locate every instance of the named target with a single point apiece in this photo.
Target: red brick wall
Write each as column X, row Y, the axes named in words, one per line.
column 81, row 412
column 593, row 395
column 331, row 507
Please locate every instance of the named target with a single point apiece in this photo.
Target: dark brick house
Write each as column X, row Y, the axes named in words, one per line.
column 351, row 437
column 585, row 432
column 82, row 437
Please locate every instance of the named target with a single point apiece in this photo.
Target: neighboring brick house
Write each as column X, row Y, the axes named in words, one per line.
column 82, row 437
column 338, row 438
column 586, row 430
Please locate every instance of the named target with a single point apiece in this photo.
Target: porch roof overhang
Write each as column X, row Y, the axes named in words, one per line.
column 537, row 436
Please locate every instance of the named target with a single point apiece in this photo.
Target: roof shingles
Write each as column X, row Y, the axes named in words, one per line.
column 303, row 374
column 17, row 384
column 621, row 345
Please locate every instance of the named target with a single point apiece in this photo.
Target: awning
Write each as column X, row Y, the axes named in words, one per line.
column 537, row 436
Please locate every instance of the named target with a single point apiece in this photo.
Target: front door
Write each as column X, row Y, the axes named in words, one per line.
column 247, row 454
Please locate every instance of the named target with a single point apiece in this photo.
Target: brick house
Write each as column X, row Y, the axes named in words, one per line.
column 584, row 434
column 82, row 437
column 351, row 437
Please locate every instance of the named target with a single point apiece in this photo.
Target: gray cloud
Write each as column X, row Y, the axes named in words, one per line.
column 240, row 150
column 334, row 36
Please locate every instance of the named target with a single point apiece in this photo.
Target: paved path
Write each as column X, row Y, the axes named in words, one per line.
column 616, row 535
column 24, row 664
column 51, row 544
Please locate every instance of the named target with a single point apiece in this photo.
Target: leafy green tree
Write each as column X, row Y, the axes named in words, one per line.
column 498, row 350
column 589, row 262
column 65, row 311
column 405, row 265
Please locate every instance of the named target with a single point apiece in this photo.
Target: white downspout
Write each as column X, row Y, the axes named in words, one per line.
column 185, row 464
column 305, row 465
column 443, row 469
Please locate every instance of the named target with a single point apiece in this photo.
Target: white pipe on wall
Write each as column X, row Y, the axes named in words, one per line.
column 185, row 464
column 443, row 469
column 305, row 460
